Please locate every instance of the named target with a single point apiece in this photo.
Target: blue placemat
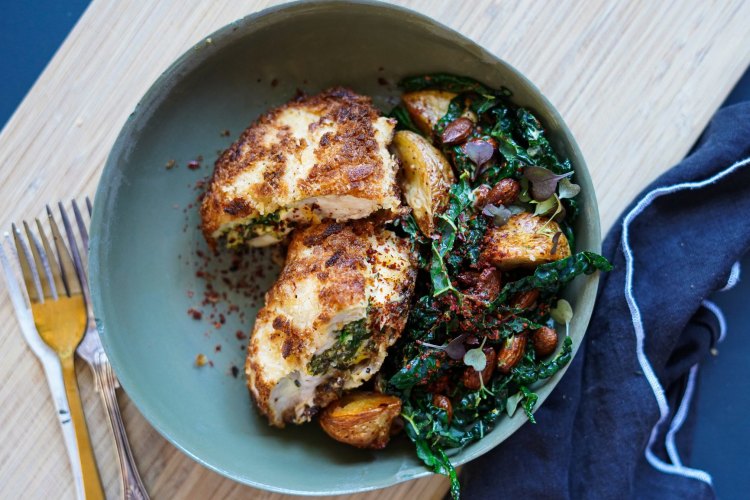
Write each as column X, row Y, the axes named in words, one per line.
column 31, row 31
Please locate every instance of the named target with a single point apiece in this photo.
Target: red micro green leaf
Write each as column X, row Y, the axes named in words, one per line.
column 479, row 151
column 543, row 181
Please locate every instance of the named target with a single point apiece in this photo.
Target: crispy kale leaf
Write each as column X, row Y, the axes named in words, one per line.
column 529, row 371
column 539, row 150
column 460, row 200
column 403, row 120
column 455, row 109
column 445, row 81
column 553, row 276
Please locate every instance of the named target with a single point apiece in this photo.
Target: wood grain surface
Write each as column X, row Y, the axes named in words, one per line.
column 637, row 81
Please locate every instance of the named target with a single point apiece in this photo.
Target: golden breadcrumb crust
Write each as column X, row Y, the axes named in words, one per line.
column 331, row 144
column 333, row 270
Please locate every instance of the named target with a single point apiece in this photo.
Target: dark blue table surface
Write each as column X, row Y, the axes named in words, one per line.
column 32, row 30
column 30, row 33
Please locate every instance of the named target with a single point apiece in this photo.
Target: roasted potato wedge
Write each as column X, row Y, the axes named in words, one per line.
column 426, row 180
column 427, row 107
column 361, row 419
column 525, row 241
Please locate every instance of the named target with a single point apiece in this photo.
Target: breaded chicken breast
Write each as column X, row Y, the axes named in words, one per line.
column 340, row 301
column 318, row 157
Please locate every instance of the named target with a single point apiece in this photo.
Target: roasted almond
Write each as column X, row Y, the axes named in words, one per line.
column 471, row 376
column 511, row 352
column 525, row 300
column 440, row 401
column 504, row 192
column 484, row 284
column 545, row 341
column 480, row 195
column 457, row 131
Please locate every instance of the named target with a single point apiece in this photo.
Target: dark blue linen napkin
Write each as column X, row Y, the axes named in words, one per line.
column 618, row 425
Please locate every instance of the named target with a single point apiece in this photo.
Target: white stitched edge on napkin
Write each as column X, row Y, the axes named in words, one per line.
column 658, row 390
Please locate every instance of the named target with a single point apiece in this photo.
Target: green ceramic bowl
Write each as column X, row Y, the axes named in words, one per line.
column 143, row 236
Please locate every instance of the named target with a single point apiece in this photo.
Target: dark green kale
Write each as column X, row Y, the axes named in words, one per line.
column 474, row 413
column 448, row 82
column 509, row 326
column 529, row 401
column 455, row 110
column 421, row 369
column 470, row 234
column 461, row 162
column 351, row 340
column 403, row 120
column 539, row 150
column 553, row 276
column 567, row 228
column 460, row 200
column 516, row 156
column 406, row 226
column 433, row 457
column 420, row 365
column 529, row 371
column 424, row 318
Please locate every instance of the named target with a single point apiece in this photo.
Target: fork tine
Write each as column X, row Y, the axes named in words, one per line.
column 42, row 264
column 73, row 244
column 14, row 288
column 29, row 271
column 69, row 274
column 82, row 225
column 50, row 263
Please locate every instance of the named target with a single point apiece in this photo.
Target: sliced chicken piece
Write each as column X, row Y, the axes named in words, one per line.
column 318, row 157
column 340, row 301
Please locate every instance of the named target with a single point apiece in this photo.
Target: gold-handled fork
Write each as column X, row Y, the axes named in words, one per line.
column 59, row 314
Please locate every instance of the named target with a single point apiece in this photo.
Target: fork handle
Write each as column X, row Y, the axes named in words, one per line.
column 92, row 485
column 132, row 486
column 53, row 371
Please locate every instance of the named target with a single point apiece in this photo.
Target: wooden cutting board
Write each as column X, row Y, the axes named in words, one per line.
column 636, row 81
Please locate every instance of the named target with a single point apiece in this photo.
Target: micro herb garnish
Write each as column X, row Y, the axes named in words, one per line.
column 499, row 214
column 476, row 358
column 455, row 349
column 543, row 181
column 563, row 314
column 551, row 208
column 567, row 189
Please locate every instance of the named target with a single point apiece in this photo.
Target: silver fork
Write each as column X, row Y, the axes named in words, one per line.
column 91, row 351
column 49, row 360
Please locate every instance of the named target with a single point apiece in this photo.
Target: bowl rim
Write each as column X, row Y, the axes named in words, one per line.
column 109, row 180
